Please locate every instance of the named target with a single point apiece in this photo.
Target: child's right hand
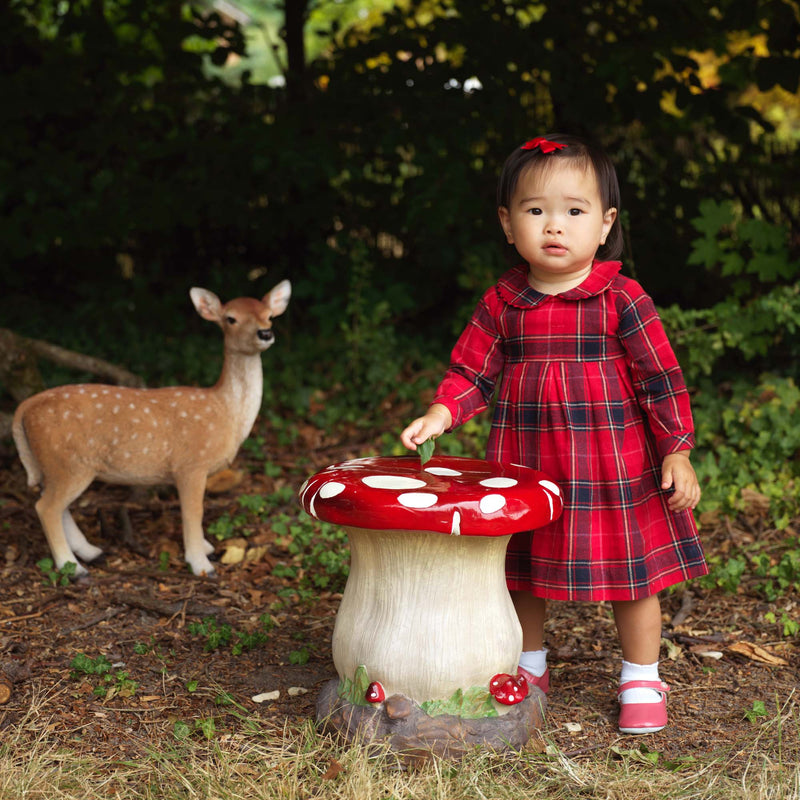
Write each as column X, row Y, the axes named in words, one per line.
column 433, row 424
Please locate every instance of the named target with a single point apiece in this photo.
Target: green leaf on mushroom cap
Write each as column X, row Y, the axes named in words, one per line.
column 425, row 450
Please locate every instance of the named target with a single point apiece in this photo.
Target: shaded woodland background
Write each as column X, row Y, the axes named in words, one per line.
column 145, row 148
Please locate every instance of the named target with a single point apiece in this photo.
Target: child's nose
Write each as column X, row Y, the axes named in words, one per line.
column 553, row 226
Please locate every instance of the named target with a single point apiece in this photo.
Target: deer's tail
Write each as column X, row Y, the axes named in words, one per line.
column 24, row 449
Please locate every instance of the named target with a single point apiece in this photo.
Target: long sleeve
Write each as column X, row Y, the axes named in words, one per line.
column 475, row 363
column 657, row 378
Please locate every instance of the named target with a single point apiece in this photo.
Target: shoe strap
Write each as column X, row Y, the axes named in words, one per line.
column 659, row 686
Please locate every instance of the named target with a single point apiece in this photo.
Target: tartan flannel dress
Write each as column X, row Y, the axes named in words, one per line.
column 592, row 395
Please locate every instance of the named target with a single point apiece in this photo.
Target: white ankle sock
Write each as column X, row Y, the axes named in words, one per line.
column 639, row 672
column 535, row 661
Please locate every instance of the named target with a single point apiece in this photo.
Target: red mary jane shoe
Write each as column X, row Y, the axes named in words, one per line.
column 542, row 681
column 643, row 717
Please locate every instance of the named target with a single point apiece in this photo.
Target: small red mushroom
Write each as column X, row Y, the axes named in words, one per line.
column 449, row 494
column 375, row 693
column 508, row 689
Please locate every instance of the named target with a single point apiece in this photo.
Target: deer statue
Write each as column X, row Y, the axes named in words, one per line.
column 69, row 436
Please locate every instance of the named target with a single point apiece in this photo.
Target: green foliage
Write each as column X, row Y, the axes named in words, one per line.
column 475, row 702
column 217, row 636
column 57, row 577
column 748, row 438
column 111, row 683
column 425, row 450
column 755, row 713
column 759, row 319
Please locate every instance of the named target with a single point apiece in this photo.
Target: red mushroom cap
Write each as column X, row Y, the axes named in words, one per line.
column 375, row 693
column 508, row 689
column 447, row 494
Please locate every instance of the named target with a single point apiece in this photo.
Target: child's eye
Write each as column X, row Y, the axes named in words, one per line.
column 535, row 211
column 575, row 212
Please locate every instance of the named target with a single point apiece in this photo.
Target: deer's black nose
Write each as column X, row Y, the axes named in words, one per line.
column 265, row 335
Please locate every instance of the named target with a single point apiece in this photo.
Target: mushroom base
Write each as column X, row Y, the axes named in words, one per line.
column 414, row 735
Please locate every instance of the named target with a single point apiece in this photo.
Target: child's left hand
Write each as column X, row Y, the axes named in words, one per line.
column 677, row 471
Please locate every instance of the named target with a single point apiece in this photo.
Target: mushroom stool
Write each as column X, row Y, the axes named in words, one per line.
column 426, row 640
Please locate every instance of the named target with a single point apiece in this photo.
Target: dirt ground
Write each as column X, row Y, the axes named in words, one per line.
column 722, row 655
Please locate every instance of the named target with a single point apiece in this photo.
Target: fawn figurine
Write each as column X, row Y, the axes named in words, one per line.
column 69, row 436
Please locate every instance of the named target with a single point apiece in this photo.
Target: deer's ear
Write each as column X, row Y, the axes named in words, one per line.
column 208, row 305
column 278, row 298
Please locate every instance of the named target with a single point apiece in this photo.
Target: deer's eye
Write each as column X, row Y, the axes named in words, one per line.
column 230, row 320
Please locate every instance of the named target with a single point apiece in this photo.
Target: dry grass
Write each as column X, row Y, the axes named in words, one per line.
column 300, row 764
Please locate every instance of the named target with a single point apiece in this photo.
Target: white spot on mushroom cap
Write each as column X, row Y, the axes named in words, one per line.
column 392, row 482
column 331, row 489
column 491, row 503
column 499, row 483
column 550, row 486
column 444, row 472
column 455, row 528
column 417, row 499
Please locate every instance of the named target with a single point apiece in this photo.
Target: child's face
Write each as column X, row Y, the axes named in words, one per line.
column 556, row 221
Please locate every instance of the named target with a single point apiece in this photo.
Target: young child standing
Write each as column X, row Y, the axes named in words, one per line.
column 590, row 394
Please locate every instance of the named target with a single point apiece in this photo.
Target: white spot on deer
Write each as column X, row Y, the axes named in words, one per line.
column 132, row 406
column 93, row 395
column 126, row 455
column 66, row 414
column 115, row 410
column 145, row 451
column 183, row 414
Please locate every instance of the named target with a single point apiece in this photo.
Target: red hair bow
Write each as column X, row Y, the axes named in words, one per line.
column 545, row 145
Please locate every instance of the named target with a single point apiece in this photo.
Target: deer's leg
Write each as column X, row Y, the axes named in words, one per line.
column 77, row 541
column 51, row 508
column 191, row 490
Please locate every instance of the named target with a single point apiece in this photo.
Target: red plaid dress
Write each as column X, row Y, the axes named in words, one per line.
column 592, row 395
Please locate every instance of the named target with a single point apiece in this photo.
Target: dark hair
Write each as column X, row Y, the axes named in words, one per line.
column 583, row 154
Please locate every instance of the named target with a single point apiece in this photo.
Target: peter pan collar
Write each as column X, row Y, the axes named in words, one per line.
column 515, row 290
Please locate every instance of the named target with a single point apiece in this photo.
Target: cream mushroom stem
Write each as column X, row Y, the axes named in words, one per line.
column 426, row 614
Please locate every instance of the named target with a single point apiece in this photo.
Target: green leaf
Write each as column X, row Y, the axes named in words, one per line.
column 425, row 450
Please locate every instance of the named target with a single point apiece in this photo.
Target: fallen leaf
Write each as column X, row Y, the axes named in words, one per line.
column 294, row 691
column 265, row 696
column 334, row 768
column 756, row 653
column 705, row 652
column 224, row 481
column 235, row 550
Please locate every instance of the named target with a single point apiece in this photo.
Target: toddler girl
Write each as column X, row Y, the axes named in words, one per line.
column 592, row 395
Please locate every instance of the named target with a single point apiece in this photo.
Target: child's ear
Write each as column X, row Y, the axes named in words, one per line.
column 505, row 223
column 608, row 222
